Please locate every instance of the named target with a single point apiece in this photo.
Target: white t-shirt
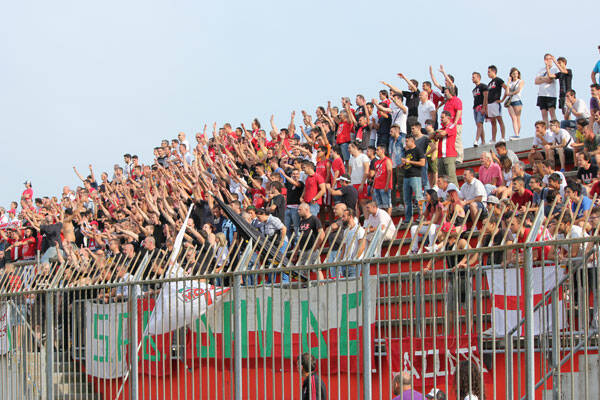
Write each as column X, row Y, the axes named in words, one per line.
column 358, row 171
column 548, row 137
column 352, row 236
column 374, row 131
column 380, row 220
column 424, row 112
column 547, row 89
column 469, row 191
column 398, row 117
column 580, row 107
column 561, row 135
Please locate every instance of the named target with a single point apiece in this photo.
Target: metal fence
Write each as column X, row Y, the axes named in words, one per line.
column 513, row 321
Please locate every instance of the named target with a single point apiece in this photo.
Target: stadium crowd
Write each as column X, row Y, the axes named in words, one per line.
column 342, row 170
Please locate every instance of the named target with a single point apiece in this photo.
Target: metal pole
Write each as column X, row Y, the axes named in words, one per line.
column 133, row 340
column 529, row 323
column 366, row 345
column 237, row 334
column 49, row 345
column 555, row 347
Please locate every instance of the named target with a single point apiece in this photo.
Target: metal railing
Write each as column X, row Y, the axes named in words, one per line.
column 516, row 321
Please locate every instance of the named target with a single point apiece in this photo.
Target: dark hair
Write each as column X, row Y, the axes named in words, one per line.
column 371, row 148
column 555, row 177
column 583, row 122
column 595, row 86
column 447, row 113
column 571, row 92
column 257, row 122
column 477, row 73
column 468, row 380
column 308, row 362
column 493, row 68
column 519, row 179
column 500, row 144
column 431, row 122
column 471, row 170
column 574, row 186
column 434, row 199
column 563, row 60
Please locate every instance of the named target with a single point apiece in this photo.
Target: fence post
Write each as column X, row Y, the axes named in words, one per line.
column 49, row 345
column 133, row 340
column 529, row 339
column 418, row 310
column 237, row 334
column 555, row 347
column 366, row 345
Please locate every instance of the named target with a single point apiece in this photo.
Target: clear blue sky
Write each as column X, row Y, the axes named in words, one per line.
column 85, row 82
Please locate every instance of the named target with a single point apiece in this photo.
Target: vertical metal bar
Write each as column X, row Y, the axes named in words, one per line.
column 49, row 345
column 555, row 346
column 133, row 340
column 529, row 339
column 366, row 348
column 237, row 329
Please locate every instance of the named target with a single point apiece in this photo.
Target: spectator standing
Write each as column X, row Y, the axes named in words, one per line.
column 346, row 193
column 468, row 381
column 314, row 188
column 28, row 192
column 454, row 107
column 426, row 109
column 412, row 164
column 397, row 142
column 294, row 189
column 447, row 153
column 492, row 105
column 480, row 92
column 546, row 82
column 358, row 169
column 514, row 102
column 564, row 77
column 596, row 69
column 382, row 182
column 313, row 387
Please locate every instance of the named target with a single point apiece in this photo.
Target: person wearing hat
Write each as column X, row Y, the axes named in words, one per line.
column 346, row 192
column 436, row 394
column 491, row 204
column 28, row 192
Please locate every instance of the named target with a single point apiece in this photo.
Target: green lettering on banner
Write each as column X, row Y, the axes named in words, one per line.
column 149, row 339
column 322, row 346
column 205, row 351
column 265, row 348
column 287, row 330
column 104, row 338
column 120, row 340
column 348, row 347
column 244, row 329
column 227, row 340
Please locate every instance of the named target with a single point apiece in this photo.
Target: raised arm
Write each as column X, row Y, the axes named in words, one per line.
column 433, row 80
column 411, row 85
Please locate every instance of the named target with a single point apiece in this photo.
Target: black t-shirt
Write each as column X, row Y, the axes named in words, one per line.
column 412, row 102
column 201, row 213
column 496, row 257
column 412, row 171
column 349, row 196
column 564, row 82
column 294, row 193
column 308, row 225
column 385, row 123
column 217, row 223
column 51, row 234
column 586, row 175
column 279, row 202
column 159, row 236
column 495, row 90
column 478, row 92
column 422, row 143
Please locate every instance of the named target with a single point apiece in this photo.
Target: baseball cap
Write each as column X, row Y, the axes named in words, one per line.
column 451, row 186
column 27, row 182
column 493, row 200
column 344, row 177
column 436, row 393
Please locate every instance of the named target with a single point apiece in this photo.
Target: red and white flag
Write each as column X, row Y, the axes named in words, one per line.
column 509, row 298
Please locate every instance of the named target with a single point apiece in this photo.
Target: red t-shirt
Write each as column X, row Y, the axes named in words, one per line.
column 447, row 145
column 381, row 172
column 595, row 189
column 519, row 200
column 436, row 98
column 343, row 132
column 538, row 250
column 453, row 106
column 311, row 188
column 257, row 200
column 27, row 193
column 321, row 169
column 337, row 166
column 360, row 134
column 28, row 248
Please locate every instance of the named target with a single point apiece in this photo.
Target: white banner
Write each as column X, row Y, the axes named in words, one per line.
column 106, row 339
column 179, row 303
column 5, row 338
column 509, row 299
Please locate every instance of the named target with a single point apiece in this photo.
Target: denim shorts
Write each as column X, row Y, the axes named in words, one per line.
column 479, row 117
column 516, row 103
column 383, row 198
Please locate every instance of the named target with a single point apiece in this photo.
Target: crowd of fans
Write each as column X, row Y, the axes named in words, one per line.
column 341, row 170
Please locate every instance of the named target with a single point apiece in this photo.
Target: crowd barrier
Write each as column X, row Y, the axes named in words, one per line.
column 522, row 329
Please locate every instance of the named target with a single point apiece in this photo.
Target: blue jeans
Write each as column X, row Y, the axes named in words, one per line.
column 330, row 259
column 383, row 198
column 411, row 186
column 314, row 210
column 424, row 177
column 291, row 221
column 345, row 151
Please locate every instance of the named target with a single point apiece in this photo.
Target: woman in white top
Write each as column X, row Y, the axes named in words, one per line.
column 514, row 104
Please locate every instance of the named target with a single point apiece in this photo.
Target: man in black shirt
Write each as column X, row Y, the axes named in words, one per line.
column 276, row 204
column 587, row 172
column 492, row 106
column 295, row 188
column 311, row 236
column 565, row 77
column 347, row 192
column 480, row 92
column 412, row 164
